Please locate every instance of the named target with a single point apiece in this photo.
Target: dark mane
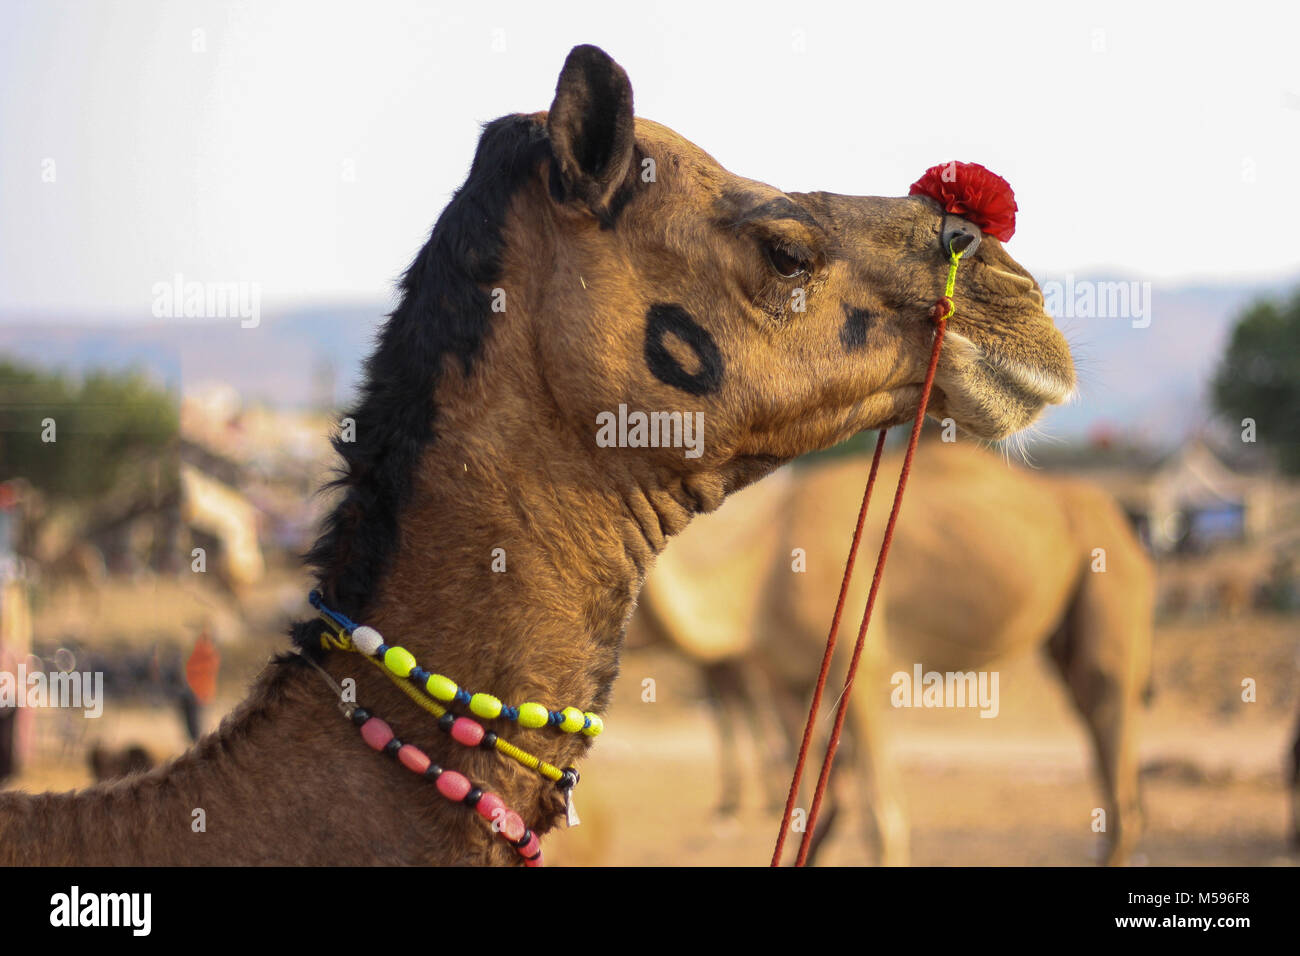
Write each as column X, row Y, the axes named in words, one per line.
column 444, row 310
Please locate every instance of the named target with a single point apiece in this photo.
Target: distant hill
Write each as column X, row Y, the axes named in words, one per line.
column 308, row 357
column 1148, row 382
column 1152, row 382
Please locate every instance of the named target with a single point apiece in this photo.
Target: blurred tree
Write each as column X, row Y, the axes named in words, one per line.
column 1259, row 377
column 103, row 424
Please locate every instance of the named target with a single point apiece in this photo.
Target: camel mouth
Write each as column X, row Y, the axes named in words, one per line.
column 992, row 395
column 1033, row 384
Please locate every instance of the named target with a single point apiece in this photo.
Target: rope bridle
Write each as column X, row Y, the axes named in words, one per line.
column 940, row 313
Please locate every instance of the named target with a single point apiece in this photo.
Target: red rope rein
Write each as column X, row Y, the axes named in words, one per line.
column 940, row 313
column 830, row 650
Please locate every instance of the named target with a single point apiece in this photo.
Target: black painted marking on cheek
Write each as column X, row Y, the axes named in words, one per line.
column 853, row 334
column 662, row 320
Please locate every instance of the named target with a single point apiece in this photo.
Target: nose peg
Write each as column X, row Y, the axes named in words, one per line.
column 961, row 237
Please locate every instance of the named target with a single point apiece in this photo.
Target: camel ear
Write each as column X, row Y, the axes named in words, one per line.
column 591, row 128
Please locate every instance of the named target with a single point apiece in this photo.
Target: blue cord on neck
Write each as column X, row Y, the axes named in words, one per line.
column 345, row 622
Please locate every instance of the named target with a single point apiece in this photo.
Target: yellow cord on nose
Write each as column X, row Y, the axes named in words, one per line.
column 944, row 308
column 952, row 272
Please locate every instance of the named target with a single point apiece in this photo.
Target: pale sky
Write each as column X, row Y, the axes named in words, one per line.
column 1155, row 140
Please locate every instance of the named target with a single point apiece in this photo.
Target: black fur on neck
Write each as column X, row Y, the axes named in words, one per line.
column 445, row 310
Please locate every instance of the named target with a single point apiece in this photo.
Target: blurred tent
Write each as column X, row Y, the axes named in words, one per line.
column 1190, row 501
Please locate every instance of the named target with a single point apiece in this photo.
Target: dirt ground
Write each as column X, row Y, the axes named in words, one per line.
column 1015, row 790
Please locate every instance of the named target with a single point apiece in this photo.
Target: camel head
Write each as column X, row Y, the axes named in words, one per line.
column 790, row 320
column 602, row 305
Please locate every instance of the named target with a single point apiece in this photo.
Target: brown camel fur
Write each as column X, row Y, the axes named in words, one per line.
column 988, row 560
column 590, row 260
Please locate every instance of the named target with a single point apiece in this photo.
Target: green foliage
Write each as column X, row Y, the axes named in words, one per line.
column 1259, row 377
column 104, row 424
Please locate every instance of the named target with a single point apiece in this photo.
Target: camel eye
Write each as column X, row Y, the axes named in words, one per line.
column 786, row 264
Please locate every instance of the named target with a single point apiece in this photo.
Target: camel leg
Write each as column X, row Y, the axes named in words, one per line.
column 864, row 747
column 838, row 793
column 1103, row 652
column 792, row 719
column 772, row 718
column 723, row 689
column 886, row 809
column 887, row 816
column 788, row 708
column 1295, row 788
column 777, row 736
column 738, row 686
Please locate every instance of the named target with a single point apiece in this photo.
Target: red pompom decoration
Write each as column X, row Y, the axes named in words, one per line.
column 972, row 192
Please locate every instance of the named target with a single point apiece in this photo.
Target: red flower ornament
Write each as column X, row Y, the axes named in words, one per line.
column 972, row 192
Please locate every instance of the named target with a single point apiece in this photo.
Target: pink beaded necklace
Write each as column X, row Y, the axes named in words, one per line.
column 451, row 784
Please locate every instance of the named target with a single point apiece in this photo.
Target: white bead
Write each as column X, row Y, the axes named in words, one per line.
column 367, row 640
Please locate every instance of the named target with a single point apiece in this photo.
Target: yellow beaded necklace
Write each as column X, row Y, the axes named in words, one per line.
column 431, row 691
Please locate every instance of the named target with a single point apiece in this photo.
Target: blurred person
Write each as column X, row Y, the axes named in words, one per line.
column 200, row 683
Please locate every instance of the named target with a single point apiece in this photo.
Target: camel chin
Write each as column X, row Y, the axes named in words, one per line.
column 989, row 395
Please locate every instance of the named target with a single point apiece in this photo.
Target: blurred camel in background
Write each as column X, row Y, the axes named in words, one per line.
column 109, row 764
column 988, row 560
column 1293, row 781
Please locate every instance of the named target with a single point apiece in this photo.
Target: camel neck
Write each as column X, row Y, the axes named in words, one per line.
column 519, row 565
column 519, row 562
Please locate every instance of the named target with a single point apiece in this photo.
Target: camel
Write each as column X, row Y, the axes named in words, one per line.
column 106, row 764
column 591, row 260
column 1293, row 782
column 988, row 560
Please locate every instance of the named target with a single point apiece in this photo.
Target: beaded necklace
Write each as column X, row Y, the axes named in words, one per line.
column 431, row 691
column 402, row 663
column 452, row 785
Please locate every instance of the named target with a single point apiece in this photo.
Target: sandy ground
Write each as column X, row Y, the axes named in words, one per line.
column 1014, row 790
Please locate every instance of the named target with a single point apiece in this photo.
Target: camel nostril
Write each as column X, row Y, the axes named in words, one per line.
column 960, row 242
column 959, row 236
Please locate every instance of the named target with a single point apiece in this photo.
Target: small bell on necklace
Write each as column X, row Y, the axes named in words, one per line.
column 570, row 811
column 567, row 783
